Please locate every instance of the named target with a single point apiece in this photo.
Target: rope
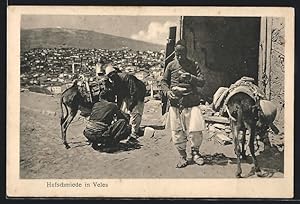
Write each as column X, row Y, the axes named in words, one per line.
column 230, row 116
column 170, row 55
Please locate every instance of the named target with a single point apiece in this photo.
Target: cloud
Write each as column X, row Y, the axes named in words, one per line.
column 156, row 33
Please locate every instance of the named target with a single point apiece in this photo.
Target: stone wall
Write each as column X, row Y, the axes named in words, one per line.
column 277, row 69
column 271, row 64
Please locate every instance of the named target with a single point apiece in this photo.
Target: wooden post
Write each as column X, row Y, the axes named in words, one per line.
column 181, row 24
column 168, row 58
column 264, row 62
column 268, row 58
column 170, row 45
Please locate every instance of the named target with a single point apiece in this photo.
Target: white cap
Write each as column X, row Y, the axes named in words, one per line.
column 109, row 68
column 98, row 68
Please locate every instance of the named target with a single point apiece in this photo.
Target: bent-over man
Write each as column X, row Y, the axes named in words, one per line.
column 130, row 93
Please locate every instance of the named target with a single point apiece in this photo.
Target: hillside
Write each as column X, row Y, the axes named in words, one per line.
column 61, row 37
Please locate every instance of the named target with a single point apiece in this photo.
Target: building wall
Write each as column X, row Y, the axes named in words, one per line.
column 271, row 71
column 226, row 48
column 277, row 71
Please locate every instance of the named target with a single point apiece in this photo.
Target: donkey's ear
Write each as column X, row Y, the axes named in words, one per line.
column 75, row 82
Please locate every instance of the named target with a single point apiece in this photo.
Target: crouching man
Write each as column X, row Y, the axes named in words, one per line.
column 107, row 125
column 181, row 79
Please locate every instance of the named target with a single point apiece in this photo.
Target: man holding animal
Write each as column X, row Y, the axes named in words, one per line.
column 181, row 79
column 130, row 93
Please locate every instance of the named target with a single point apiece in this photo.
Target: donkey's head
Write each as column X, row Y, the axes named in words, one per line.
column 266, row 114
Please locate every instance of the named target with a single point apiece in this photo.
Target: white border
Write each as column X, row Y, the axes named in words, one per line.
column 213, row 188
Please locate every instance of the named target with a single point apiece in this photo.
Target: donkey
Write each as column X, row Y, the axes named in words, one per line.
column 246, row 113
column 75, row 98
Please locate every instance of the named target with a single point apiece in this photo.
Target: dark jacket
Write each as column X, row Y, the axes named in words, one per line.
column 172, row 78
column 100, row 129
column 130, row 88
column 104, row 111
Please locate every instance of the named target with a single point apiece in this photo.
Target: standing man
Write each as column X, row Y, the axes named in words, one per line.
column 130, row 93
column 181, row 79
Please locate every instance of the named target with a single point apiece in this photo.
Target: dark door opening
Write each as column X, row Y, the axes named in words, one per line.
column 227, row 48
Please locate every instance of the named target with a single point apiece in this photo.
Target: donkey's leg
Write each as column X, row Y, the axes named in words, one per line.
column 243, row 141
column 251, row 147
column 64, row 133
column 68, row 121
column 63, row 120
column 235, row 131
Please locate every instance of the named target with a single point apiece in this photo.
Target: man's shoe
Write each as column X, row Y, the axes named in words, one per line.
column 198, row 159
column 141, row 132
column 182, row 163
column 95, row 146
column 132, row 140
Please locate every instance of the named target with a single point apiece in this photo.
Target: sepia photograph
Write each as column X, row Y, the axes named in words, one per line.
column 150, row 101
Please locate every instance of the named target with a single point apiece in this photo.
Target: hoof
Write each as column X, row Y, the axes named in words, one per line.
column 255, row 169
column 251, row 173
column 67, row 146
column 238, row 175
column 243, row 157
column 261, row 173
column 264, row 174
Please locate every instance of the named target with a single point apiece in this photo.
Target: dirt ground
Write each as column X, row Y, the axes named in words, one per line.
column 43, row 156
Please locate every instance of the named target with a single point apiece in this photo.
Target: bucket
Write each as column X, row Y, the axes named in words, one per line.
column 149, row 132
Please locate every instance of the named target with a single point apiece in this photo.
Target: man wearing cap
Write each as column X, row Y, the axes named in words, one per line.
column 130, row 93
column 181, row 79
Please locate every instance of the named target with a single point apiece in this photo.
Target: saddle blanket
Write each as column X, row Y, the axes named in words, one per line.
column 244, row 85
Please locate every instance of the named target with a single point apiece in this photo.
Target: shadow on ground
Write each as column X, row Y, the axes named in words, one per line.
column 270, row 162
column 121, row 147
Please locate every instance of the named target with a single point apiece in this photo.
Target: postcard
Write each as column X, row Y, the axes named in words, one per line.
column 149, row 101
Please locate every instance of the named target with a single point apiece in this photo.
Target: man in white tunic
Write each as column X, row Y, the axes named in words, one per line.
column 181, row 79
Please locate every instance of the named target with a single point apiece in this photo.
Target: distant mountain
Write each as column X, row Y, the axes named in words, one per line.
column 62, row 37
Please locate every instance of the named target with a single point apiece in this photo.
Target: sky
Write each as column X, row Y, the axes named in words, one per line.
column 146, row 28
